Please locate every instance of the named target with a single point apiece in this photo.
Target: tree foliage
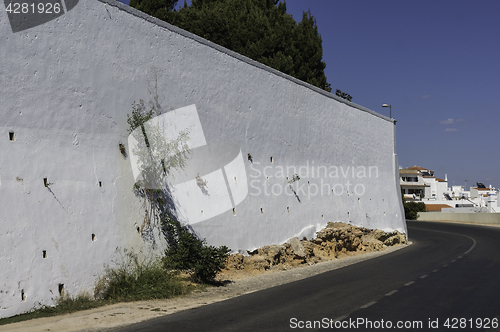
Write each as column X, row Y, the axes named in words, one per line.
column 343, row 95
column 412, row 208
column 259, row 29
column 161, row 9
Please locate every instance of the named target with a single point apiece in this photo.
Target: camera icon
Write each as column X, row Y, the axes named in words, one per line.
column 213, row 180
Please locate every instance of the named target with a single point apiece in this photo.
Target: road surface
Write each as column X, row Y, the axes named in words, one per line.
column 449, row 279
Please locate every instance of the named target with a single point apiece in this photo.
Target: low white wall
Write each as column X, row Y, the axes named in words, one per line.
column 67, row 86
column 475, row 218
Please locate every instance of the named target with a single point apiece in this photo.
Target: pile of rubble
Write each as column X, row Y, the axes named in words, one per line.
column 335, row 240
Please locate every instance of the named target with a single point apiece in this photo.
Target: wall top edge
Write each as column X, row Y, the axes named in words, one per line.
column 238, row 56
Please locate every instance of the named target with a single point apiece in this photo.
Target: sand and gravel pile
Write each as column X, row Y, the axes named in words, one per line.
column 334, row 241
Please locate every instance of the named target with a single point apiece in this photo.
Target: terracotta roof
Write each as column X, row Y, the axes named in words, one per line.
column 418, row 168
column 481, row 188
column 440, row 180
column 408, row 171
column 436, row 207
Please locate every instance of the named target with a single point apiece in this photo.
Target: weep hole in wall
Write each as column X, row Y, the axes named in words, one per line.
column 123, row 151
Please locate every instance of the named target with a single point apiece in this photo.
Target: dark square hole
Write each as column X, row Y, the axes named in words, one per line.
column 122, row 149
column 61, row 289
column 11, row 136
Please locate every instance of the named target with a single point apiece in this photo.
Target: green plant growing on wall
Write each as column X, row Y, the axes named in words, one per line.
column 200, row 182
column 157, row 156
column 294, row 178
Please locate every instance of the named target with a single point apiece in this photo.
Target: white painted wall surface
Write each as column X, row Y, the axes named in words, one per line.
column 66, row 88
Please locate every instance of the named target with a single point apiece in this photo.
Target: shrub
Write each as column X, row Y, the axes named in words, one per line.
column 412, row 209
column 187, row 252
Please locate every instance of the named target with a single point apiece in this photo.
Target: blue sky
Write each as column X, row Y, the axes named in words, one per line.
column 437, row 62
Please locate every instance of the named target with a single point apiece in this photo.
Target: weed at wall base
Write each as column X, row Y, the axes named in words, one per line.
column 141, row 281
column 133, row 281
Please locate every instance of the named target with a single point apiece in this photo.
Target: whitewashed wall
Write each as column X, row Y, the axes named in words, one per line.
column 66, row 88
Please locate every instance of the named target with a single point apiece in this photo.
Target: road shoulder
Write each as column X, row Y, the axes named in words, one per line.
column 122, row 314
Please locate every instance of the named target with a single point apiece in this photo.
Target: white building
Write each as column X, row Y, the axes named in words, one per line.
column 412, row 183
column 457, row 192
column 420, row 184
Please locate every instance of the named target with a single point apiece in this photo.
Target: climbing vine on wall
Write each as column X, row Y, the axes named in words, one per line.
column 157, row 156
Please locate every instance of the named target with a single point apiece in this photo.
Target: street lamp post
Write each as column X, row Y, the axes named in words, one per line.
column 390, row 109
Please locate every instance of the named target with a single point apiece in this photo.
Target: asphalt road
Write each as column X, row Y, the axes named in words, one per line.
column 449, row 279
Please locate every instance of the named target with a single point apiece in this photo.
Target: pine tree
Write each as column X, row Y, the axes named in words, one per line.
column 259, row 29
column 161, row 9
